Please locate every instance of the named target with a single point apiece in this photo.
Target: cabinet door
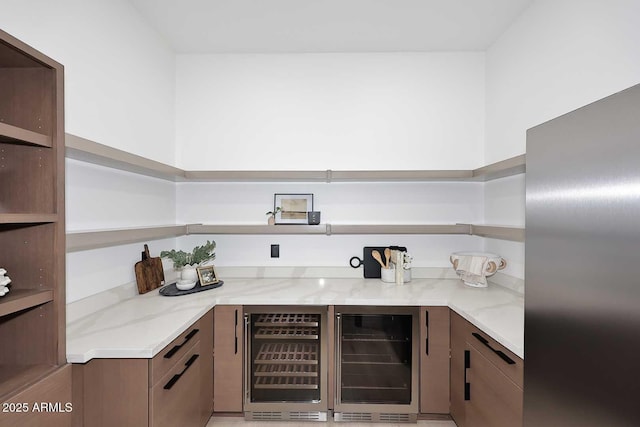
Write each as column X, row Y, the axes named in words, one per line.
column 458, row 371
column 227, row 365
column 434, row 360
column 175, row 399
column 494, row 400
column 206, row 367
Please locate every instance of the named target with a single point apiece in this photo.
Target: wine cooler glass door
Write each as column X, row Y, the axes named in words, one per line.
column 375, row 356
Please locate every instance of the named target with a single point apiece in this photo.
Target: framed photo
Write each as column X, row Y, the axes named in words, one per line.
column 207, row 275
column 294, row 208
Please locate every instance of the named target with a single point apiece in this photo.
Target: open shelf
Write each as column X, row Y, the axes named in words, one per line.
column 78, row 148
column 92, row 152
column 14, row 134
column 21, row 299
column 255, row 229
column 85, row 240
column 27, row 218
column 81, row 241
column 13, row 377
column 515, row 234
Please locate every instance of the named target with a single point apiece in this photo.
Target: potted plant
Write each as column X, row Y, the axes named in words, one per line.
column 187, row 262
column 272, row 215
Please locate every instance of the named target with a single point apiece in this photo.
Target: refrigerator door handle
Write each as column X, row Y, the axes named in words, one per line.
column 247, row 361
column 500, row 354
column 338, row 360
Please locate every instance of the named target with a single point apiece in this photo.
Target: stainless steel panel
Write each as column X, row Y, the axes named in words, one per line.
column 582, row 302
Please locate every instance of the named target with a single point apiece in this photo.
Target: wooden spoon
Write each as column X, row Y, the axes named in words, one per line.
column 387, row 255
column 376, row 255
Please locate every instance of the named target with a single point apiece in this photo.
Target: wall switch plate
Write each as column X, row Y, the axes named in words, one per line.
column 275, row 251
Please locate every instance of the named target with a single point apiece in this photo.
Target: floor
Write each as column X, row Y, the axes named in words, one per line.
column 240, row 422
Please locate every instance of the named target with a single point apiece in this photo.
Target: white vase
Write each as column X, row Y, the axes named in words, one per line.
column 189, row 273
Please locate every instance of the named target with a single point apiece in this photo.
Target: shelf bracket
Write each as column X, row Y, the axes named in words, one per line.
column 328, row 178
column 328, row 228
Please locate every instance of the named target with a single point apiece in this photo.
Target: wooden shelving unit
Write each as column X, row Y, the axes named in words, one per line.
column 22, row 299
column 32, row 230
column 28, row 218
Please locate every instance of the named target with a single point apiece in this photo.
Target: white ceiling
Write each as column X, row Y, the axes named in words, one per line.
column 269, row 26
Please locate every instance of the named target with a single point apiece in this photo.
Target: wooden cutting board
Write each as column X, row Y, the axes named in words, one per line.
column 149, row 272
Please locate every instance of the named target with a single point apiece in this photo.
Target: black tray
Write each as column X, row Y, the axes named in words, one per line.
column 171, row 290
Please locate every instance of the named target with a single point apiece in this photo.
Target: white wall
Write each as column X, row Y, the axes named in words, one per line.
column 339, row 203
column 330, row 111
column 558, row 56
column 99, row 198
column 119, row 74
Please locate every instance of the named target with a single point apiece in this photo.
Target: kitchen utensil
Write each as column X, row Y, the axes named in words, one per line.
column 149, row 272
column 376, row 255
column 387, row 255
column 371, row 266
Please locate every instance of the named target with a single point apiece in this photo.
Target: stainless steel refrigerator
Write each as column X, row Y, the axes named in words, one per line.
column 582, row 298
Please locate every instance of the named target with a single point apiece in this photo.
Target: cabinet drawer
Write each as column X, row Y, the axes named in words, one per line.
column 175, row 400
column 507, row 362
column 494, row 400
column 167, row 358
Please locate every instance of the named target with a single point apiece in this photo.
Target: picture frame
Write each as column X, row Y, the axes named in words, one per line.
column 207, row 275
column 294, row 207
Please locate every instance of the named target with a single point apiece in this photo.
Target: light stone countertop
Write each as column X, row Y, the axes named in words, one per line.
column 120, row 324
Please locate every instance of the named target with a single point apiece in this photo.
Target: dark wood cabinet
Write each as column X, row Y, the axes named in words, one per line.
column 434, row 360
column 228, row 349
column 32, row 228
column 486, row 379
column 174, row 388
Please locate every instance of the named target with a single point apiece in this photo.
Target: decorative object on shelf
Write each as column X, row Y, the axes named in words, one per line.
column 207, row 275
column 474, row 267
column 187, row 262
column 4, row 282
column 313, row 217
column 272, row 215
column 294, row 208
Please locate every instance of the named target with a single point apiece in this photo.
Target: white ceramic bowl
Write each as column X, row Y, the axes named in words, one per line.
column 478, row 273
column 185, row 285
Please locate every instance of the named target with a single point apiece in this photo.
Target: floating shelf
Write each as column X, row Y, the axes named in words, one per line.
column 21, row 299
column 82, row 241
column 78, row 148
column 88, row 151
column 86, row 240
column 20, row 218
column 515, row 234
column 255, row 229
column 13, row 134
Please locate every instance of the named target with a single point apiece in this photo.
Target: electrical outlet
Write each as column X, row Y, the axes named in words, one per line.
column 275, row 251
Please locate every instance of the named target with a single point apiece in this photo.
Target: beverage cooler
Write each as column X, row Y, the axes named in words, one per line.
column 376, row 364
column 286, row 363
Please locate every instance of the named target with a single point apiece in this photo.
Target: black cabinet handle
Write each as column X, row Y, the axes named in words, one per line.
column 500, row 354
column 426, row 340
column 176, row 377
column 467, row 365
column 175, row 348
column 235, row 331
